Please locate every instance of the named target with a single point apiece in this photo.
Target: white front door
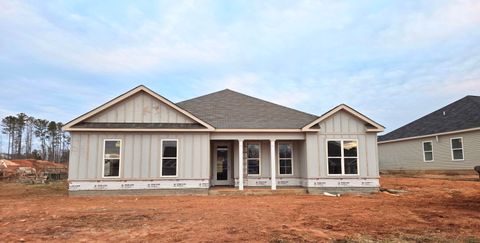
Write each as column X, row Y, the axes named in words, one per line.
column 222, row 166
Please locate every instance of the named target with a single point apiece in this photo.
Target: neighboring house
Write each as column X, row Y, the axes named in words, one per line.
column 140, row 140
column 447, row 139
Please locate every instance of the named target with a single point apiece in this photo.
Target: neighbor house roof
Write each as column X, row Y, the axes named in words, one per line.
column 460, row 115
column 228, row 109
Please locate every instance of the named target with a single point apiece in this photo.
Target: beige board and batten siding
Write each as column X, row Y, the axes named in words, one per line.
column 408, row 154
column 141, row 108
column 140, row 155
column 341, row 125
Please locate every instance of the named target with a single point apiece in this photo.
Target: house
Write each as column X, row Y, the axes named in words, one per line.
column 447, row 139
column 141, row 140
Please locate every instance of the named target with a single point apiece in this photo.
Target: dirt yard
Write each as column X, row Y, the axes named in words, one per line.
column 433, row 210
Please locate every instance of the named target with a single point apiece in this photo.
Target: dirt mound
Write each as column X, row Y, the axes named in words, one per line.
column 38, row 164
column 31, row 170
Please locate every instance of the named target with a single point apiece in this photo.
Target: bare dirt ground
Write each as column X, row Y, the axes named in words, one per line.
column 433, row 210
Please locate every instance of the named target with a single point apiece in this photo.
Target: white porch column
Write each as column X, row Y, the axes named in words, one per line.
column 240, row 165
column 273, row 164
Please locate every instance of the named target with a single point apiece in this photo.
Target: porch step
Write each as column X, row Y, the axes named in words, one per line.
column 227, row 191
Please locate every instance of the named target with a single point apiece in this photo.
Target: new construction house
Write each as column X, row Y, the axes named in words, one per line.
column 142, row 141
column 447, row 139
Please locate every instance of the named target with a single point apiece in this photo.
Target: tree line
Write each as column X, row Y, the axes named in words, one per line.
column 29, row 137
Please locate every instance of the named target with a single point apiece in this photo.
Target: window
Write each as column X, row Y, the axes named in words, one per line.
column 427, row 151
column 111, row 157
column 457, row 148
column 169, row 158
column 285, row 157
column 342, row 157
column 253, row 159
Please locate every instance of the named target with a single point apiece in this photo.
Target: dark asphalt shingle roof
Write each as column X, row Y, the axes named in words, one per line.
column 228, row 109
column 459, row 115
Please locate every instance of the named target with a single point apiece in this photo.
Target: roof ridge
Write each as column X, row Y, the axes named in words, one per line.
column 274, row 103
column 201, row 96
column 472, row 98
column 249, row 96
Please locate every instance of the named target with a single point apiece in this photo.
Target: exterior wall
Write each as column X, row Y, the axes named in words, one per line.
column 341, row 125
column 141, row 107
column 408, row 155
column 140, row 155
column 266, row 161
column 264, row 178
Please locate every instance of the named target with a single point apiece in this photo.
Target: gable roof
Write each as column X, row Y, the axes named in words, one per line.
column 79, row 122
column 373, row 126
column 460, row 115
column 228, row 109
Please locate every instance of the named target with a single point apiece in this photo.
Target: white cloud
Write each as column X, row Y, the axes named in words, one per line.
column 161, row 48
column 433, row 24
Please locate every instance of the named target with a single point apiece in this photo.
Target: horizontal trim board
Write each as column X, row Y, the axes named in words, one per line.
column 430, row 135
column 268, row 182
column 258, row 130
column 334, row 182
column 137, row 185
column 133, row 130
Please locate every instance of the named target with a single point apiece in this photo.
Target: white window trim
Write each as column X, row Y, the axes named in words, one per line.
column 278, row 156
column 342, row 158
column 423, row 149
column 161, row 158
column 119, row 159
column 259, row 158
column 452, row 149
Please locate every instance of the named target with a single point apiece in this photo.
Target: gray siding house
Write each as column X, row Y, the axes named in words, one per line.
column 445, row 140
column 140, row 140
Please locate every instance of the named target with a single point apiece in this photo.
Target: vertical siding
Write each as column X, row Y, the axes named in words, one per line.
column 140, row 155
column 73, row 161
column 302, row 155
column 408, row 155
column 341, row 126
column 313, row 156
column 141, row 107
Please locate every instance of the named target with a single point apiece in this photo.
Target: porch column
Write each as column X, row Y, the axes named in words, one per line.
column 273, row 164
column 240, row 165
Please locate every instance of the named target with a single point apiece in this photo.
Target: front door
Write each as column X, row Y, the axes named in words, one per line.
column 222, row 165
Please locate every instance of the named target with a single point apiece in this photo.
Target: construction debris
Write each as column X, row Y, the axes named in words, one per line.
column 330, row 194
column 477, row 169
column 393, row 192
column 32, row 171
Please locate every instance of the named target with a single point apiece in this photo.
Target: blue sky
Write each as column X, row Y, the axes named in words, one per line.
column 391, row 60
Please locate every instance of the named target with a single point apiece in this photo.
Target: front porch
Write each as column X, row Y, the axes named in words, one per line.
column 265, row 161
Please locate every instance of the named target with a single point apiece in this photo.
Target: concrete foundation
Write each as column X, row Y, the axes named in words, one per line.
column 342, row 190
column 162, row 192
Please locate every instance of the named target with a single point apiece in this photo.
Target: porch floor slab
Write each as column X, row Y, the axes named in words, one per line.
column 226, row 191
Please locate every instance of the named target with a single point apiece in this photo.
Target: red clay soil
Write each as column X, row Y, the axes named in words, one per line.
column 432, row 210
column 38, row 164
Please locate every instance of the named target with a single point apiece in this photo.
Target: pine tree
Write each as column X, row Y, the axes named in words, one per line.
column 8, row 127
column 20, row 127
column 41, row 132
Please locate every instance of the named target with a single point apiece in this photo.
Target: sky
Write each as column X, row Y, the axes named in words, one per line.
column 394, row 61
